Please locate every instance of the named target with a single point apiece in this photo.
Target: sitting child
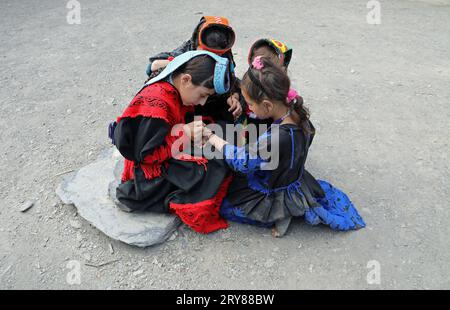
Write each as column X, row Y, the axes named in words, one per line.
column 275, row 51
column 279, row 54
column 156, row 176
column 270, row 198
column 214, row 34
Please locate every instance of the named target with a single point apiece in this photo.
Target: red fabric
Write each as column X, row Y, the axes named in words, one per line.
column 160, row 100
column 199, row 160
column 203, row 216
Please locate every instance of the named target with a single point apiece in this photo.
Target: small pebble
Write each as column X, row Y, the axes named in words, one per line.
column 75, row 224
column 173, row 236
column 26, row 206
column 138, row 272
column 79, row 237
column 87, row 256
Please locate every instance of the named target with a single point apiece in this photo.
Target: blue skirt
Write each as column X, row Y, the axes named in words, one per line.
column 334, row 210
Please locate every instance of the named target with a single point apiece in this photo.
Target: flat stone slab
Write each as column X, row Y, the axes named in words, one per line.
column 88, row 190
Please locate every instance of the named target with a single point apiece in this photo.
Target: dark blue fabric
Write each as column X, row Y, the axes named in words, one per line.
column 291, row 132
column 239, row 159
column 231, row 213
column 335, row 210
column 258, row 181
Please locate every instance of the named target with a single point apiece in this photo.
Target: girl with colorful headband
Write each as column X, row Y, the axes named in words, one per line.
column 213, row 34
column 271, row 198
column 280, row 55
column 277, row 52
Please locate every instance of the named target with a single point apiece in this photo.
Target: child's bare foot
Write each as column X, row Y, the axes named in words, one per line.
column 275, row 232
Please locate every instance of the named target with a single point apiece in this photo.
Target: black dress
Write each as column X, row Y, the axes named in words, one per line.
column 155, row 180
column 272, row 197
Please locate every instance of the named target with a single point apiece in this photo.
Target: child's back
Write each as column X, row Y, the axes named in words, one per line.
column 271, row 197
column 267, row 196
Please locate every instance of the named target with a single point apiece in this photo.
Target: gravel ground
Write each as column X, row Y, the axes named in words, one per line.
column 379, row 96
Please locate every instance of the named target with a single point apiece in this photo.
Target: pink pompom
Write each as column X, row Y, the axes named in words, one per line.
column 257, row 63
column 292, row 94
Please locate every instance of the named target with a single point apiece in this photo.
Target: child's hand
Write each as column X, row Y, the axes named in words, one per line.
column 194, row 130
column 207, row 133
column 235, row 105
column 159, row 63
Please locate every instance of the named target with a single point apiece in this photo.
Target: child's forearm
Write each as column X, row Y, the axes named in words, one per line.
column 217, row 142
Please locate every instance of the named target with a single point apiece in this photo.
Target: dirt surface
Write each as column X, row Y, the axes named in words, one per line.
column 379, row 97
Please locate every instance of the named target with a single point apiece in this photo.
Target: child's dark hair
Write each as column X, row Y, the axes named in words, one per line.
column 201, row 68
column 216, row 37
column 274, row 85
column 261, row 44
